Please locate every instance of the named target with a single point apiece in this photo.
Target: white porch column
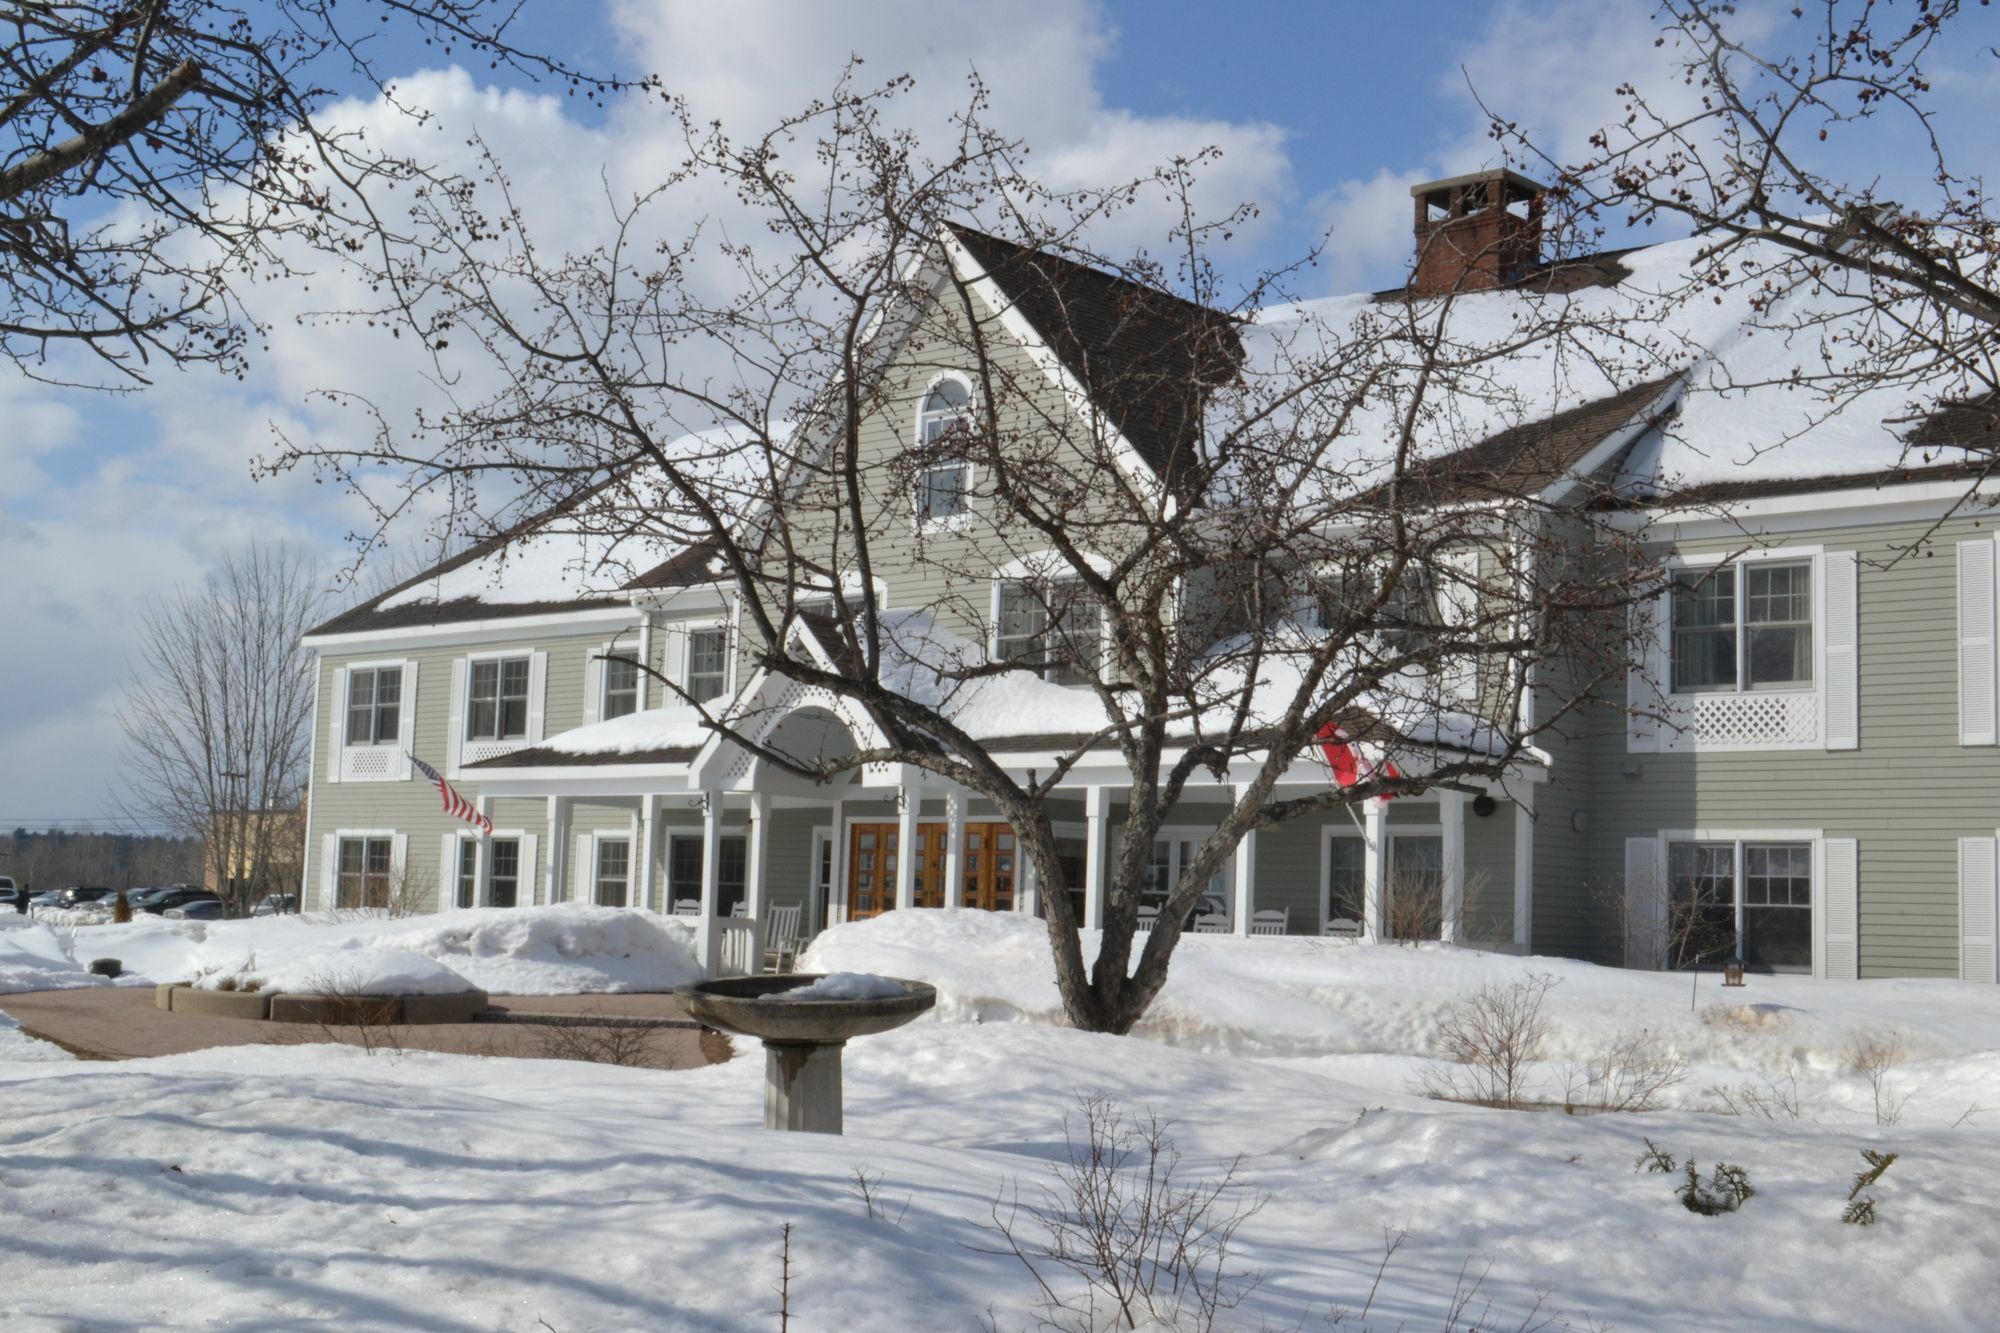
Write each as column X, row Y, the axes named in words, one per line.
column 1096, row 853
column 1027, row 884
column 482, row 879
column 649, row 809
column 711, row 881
column 1246, row 877
column 954, row 849
column 1524, row 874
column 558, row 856
column 836, row 903
column 756, row 855
column 1451, row 814
column 1374, row 868
column 909, row 803
column 645, row 656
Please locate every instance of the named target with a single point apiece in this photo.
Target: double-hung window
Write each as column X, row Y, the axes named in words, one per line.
column 503, row 884
column 944, row 478
column 614, row 871
column 621, row 686
column 1748, row 900
column 468, row 872
column 1054, row 627
column 1743, row 626
column 497, row 700
column 364, row 871
column 374, row 705
column 707, row 663
column 684, row 872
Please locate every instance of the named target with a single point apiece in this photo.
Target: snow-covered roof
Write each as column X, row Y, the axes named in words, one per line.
column 1753, row 362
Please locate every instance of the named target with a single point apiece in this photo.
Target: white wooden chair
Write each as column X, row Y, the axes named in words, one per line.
column 1345, row 928
column 740, row 909
column 1147, row 916
column 687, row 907
column 781, row 938
column 1271, row 921
column 1211, row 923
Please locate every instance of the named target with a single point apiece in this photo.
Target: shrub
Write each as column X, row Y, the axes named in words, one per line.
column 1492, row 1037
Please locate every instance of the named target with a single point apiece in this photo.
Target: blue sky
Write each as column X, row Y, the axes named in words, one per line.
column 1326, row 114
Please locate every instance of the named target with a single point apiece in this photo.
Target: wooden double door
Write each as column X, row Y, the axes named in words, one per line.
column 988, row 867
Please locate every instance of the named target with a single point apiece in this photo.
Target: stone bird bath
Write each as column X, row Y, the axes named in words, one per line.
column 802, row 1038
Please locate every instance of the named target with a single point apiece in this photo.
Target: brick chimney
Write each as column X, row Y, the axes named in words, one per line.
column 1476, row 232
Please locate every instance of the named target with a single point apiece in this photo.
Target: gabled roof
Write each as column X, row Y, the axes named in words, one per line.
column 1146, row 357
column 1527, row 459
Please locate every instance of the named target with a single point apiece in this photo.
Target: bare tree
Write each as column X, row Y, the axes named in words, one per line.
column 216, row 717
column 159, row 159
column 1232, row 538
column 1814, row 162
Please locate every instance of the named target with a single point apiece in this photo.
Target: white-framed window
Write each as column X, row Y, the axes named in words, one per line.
column 365, row 872
column 611, row 876
column 468, row 872
column 684, row 872
column 504, row 879
column 496, row 702
column 707, row 674
column 1054, row 626
column 621, row 686
column 1344, row 878
column 944, row 481
column 1748, row 898
column 1745, row 625
column 374, row 705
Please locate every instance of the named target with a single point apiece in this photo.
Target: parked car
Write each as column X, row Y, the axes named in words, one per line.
column 46, row 898
column 274, row 904
column 80, row 895
column 12, row 895
column 199, row 909
column 159, row 901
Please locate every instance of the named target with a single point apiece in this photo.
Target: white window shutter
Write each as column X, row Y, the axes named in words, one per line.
column 1840, row 599
column 329, row 872
column 406, row 719
column 448, row 873
column 593, row 684
column 524, row 893
column 583, row 878
column 454, row 729
column 1458, row 607
column 336, row 730
column 1978, row 898
column 1837, row 911
column 538, row 693
column 1645, row 905
column 1642, row 695
column 1977, row 702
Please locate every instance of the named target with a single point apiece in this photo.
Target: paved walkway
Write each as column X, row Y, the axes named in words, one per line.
column 122, row 1023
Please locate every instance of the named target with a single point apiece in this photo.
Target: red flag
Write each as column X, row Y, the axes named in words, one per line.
column 1346, row 765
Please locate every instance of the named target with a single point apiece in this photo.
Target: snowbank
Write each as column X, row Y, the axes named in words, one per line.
column 34, row 956
column 16, row 1045
column 565, row 949
column 1373, row 1011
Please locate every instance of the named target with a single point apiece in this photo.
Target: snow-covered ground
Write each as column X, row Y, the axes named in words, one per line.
column 285, row 1186
column 563, row 949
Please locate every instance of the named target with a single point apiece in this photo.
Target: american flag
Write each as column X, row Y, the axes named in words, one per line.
column 454, row 805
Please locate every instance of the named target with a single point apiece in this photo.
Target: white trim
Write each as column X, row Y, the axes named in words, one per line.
column 599, row 837
column 461, row 725
column 1847, row 506
column 1979, row 909
column 497, row 630
column 1327, row 834
column 950, row 523
column 392, row 755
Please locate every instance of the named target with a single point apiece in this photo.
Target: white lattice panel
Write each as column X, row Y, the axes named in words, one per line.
column 474, row 752
column 369, row 763
column 1776, row 720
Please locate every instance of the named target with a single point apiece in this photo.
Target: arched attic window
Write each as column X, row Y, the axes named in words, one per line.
column 945, row 478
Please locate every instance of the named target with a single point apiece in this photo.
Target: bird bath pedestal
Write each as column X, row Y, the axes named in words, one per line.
column 802, row 1038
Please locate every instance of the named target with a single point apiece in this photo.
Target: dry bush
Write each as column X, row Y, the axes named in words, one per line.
column 631, row 1047
column 1119, row 1238
column 867, row 1188
column 1773, row 1100
column 1413, row 910
column 1631, row 1074
column 1492, row 1038
column 1873, row 1055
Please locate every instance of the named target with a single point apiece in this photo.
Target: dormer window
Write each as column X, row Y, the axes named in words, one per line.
column 942, row 482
